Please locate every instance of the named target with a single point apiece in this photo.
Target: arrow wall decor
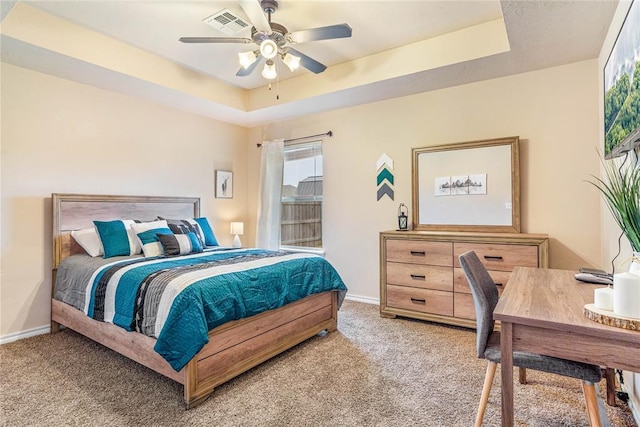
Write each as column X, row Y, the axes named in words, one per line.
column 385, row 174
column 385, row 189
column 384, row 178
column 384, row 160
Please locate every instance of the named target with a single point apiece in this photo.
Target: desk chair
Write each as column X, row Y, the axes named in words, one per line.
column 485, row 298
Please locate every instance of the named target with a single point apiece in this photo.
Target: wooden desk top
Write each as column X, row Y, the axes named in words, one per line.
column 553, row 299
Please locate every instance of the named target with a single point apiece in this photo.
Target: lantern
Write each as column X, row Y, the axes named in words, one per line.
column 402, row 217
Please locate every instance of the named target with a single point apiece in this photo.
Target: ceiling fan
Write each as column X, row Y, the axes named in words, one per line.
column 274, row 41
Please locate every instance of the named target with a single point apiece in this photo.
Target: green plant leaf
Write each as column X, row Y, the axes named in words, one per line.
column 620, row 188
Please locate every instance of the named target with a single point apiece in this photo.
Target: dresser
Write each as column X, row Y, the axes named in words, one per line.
column 420, row 276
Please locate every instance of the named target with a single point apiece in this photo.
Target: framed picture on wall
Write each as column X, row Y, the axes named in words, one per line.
column 621, row 89
column 224, row 185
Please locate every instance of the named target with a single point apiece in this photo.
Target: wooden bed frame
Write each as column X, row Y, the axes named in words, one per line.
column 233, row 348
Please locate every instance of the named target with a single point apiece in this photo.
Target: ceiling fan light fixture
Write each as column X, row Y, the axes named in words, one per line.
column 268, row 49
column 247, row 58
column 271, row 39
column 291, row 61
column 269, row 71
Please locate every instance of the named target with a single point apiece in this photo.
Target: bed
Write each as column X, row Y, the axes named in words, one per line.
column 232, row 348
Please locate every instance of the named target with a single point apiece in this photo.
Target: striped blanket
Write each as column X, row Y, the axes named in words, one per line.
column 179, row 300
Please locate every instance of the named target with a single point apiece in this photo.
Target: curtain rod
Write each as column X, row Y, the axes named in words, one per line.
column 329, row 134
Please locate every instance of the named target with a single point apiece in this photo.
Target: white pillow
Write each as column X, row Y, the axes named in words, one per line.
column 89, row 240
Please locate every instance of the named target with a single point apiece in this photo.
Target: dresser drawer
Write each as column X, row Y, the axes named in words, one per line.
column 420, row 276
column 420, row 252
column 499, row 257
column 423, row 300
column 460, row 283
column 463, row 306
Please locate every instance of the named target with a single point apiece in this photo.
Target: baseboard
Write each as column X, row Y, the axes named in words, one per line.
column 634, row 401
column 367, row 300
column 5, row 339
column 634, row 405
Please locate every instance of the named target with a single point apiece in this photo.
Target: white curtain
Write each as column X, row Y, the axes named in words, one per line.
column 271, row 167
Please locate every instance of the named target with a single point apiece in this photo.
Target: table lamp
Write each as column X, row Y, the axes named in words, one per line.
column 237, row 228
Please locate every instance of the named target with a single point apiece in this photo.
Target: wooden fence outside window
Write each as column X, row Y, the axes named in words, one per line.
column 301, row 224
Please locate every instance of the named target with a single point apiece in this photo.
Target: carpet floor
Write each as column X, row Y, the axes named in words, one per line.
column 371, row 372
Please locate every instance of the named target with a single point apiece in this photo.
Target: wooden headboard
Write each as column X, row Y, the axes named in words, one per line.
column 76, row 211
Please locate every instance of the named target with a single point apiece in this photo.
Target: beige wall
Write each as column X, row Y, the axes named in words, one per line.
column 609, row 230
column 60, row 136
column 554, row 111
column 67, row 137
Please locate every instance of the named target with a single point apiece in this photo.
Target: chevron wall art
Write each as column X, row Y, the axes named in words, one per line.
column 384, row 179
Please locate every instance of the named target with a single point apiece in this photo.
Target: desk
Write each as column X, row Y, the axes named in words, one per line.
column 541, row 311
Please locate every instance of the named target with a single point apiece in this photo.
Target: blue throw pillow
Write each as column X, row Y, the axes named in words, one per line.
column 209, row 237
column 117, row 238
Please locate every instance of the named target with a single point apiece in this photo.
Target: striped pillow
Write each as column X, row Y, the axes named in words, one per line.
column 147, row 233
column 184, row 226
column 180, row 244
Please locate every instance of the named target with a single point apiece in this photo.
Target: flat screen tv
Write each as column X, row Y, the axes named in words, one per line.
column 622, row 88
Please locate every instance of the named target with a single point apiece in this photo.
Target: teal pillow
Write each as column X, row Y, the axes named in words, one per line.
column 209, row 237
column 151, row 236
column 147, row 233
column 117, row 238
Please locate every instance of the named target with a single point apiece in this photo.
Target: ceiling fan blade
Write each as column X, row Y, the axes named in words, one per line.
column 256, row 15
column 243, row 72
column 307, row 62
column 338, row 31
column 214, row 40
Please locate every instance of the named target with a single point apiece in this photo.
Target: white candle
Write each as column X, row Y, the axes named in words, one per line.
column 603, row 298
column 626, row 295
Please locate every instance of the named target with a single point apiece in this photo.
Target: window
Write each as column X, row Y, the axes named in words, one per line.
column 301, row 206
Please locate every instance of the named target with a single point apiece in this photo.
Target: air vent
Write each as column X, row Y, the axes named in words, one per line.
column 227, row 22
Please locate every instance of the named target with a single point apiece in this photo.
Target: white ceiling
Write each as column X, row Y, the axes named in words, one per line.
column 371, row 65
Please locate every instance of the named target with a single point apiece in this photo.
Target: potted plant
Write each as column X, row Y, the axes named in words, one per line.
column 620, row 188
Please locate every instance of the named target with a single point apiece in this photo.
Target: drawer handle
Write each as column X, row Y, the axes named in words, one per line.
column 418, row 253
column 493, row 257
column 418, row 300
column 499, row 284
column 418, row 277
